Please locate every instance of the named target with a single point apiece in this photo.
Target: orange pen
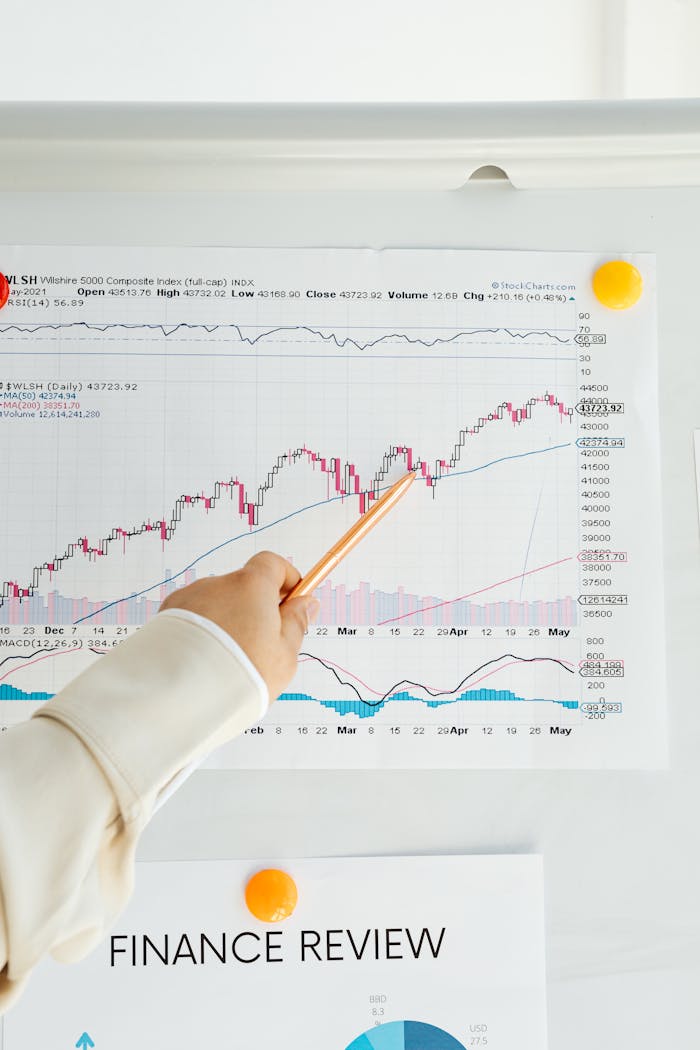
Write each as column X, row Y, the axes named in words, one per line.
column 362, row 526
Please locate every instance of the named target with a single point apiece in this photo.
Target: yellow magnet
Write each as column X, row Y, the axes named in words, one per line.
column 271, row 895
column 617, row 284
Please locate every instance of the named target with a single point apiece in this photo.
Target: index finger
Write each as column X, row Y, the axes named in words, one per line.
column 280, row 572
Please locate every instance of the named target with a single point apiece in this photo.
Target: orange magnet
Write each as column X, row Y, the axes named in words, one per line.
column 4, row 290
column 617, row 284
column 271, row 895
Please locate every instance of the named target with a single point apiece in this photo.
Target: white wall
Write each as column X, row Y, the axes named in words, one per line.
column 357, row 50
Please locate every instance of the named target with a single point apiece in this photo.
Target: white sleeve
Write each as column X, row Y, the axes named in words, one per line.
column 80, row 780
column 226, row 639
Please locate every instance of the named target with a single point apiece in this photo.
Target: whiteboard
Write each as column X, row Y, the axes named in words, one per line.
column 622, row 850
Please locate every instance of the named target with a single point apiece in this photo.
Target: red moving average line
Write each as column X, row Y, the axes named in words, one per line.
column 463, row 597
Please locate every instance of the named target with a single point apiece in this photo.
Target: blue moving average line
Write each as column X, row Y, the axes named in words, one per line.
column 302, row 510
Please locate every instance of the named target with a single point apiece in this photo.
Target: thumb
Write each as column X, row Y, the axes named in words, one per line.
column 296, row 615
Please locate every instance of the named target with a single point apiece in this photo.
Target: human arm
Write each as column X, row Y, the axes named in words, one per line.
column 80, row 780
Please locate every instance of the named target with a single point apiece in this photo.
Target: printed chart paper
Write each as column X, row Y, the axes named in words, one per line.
column 165, row 413
column 439, row 953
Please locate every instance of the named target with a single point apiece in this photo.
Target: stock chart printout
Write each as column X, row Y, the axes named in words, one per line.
column 400, row 953
column 166, row 413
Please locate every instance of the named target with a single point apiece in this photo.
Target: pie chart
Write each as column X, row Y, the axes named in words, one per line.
column 405, row 1035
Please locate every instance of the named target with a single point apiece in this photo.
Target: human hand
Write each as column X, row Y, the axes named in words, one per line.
column 246, row 604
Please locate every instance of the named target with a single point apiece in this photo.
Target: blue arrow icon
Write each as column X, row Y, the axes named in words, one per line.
column 84, row 1042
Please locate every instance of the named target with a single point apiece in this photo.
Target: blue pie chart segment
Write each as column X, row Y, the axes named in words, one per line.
column 362, row 1043
column 419, row 1036
column 405, row 1035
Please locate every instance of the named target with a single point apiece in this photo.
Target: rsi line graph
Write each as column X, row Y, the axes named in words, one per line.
column 342, row 478
column 354, row 696
column 237, row 332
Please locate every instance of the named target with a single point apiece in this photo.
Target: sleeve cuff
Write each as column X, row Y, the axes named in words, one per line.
column 231, row 645
column 159, row 702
